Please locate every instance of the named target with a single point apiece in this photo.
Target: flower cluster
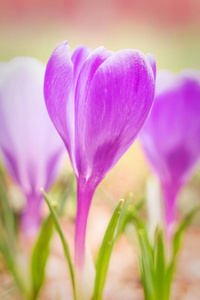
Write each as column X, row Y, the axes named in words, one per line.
column 96, row 103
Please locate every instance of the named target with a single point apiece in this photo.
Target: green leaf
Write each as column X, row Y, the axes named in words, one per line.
column 4, row 249
column 177, row 244
column 7, row 215
column 137, row 221
column 10, row 258
column 105, row 252
column 124, row 216
column 130, row 215
column 169, row 278
column 40, row 255
column 12, row 265
column 140, row 204
column 147, row 266
column 183, row 225
column 134, row 217
column 160, row 265
column 64, row 243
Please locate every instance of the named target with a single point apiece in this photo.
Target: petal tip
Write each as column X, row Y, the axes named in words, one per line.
column 152, row 62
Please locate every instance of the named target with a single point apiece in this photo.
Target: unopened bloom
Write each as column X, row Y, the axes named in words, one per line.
column 170, row 138
column 31, row 148
column 98, row 101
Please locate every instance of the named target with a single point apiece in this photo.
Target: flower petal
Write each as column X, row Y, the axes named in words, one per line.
column 58, row 90
column 28, row 139
column 115, row 106
column 152, row 62
column 78, row 59
column 83, row 85
column 169, row 137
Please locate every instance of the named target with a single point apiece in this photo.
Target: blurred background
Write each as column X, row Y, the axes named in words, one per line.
column 168, row 29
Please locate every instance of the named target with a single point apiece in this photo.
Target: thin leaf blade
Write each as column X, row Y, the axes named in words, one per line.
column 40, row 255
column 105, row 252
column 64, row 243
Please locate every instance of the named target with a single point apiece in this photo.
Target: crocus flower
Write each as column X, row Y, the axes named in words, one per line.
column 98, row 101
column 31, row 148
column 170, row 137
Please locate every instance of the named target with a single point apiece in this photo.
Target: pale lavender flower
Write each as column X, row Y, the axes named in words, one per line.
column 170, row 138
column 31, row 148
column 98, row 101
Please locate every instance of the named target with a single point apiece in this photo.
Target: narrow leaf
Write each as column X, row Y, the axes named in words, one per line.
column 177, row 244
column 124, row 216
column 7, row 215
column 130, row 215
column 160, row 267
column 14, row 269
column 147, row 266
column 105, row 252
column 64, row 243
column 40, row 255
column 183, row 225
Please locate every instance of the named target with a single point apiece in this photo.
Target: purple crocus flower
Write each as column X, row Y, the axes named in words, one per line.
column 170, row 138
column 98, row 101
column 31, row 148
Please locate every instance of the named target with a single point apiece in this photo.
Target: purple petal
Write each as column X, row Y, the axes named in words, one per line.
column 28, row 139
column 83, row 85
column 31, row 217
column 170, row 136
column 60, row 82
column 170, row 207
column 79, row 57
column 11, row 164
column 113, row 100
column 25, row 126
column 58, row 90
column 111, row 110
column 152, row 62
